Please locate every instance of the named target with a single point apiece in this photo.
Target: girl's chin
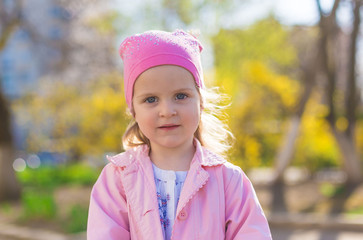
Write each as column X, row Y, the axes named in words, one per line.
column 172, row 143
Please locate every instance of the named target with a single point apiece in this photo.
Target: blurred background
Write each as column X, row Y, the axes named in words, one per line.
column 293, row 71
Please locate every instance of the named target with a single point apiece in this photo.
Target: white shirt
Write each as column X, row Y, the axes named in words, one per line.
column 168, row 188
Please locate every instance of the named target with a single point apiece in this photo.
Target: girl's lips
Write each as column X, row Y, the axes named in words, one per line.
column 168, row 127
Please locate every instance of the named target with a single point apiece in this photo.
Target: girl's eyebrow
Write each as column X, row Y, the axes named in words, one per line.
column 144, row 95
column 148, row 94
column 184, row 89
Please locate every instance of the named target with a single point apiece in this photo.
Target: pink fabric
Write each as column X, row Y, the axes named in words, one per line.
column 217, row 201
column 153, row 48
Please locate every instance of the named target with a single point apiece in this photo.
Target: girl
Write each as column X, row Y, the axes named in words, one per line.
column 170, row 183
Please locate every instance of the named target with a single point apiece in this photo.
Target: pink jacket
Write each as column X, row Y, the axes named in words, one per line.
column 217, row 201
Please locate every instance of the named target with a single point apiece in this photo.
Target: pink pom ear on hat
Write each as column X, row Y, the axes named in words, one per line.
column 154, row 48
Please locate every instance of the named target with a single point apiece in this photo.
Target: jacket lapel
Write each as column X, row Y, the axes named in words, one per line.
column 197, row 176
column 138, row 181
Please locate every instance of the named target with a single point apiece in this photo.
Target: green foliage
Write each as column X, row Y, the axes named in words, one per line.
column 49, row 177
column 74, row 121
column 330, row 190
column 182, row 8
column 266, row 41
column 357, row 210
column 38, row 201
column 5, row 207
column 44, row 177
column 257, row 67
column 77, row 219
column 38, row 205
column 79, row 174
column 265, row 97
column 316, row 147
column 252, row 68
column 105, row 23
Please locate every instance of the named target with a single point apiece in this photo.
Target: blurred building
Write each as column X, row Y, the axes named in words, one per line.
column 57, row 41
column 30, row 51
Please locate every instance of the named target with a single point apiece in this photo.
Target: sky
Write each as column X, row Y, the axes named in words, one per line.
column 288, row 12
column 296, row 11
column 246, row 12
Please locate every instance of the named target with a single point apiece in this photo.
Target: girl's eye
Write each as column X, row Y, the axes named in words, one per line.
column 150, row 99
column 181, row 96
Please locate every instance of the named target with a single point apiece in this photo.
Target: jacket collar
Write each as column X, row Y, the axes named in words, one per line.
column 206, row 157
column 202, row 156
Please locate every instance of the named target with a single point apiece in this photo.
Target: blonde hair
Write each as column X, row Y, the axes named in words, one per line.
column 212, row 132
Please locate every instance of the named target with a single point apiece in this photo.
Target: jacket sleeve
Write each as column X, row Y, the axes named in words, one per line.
column 244, row 216
column 108, row 215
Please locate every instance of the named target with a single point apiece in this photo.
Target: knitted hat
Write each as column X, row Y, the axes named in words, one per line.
column 154, row 48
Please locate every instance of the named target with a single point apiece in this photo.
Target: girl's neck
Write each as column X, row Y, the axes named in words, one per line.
column 173, row 159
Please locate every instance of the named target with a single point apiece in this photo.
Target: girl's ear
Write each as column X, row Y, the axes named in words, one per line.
column 201, row 98
column 131, row 111
column 201, row 104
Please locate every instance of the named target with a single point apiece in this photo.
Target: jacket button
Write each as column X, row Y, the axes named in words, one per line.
column 183, row 215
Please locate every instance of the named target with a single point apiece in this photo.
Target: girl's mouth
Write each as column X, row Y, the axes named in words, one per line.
column 169, row 127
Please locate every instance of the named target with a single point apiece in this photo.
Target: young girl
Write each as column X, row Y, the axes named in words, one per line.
column 170, row 183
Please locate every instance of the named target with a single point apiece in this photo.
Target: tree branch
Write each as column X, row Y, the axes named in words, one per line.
column 328, row 26
column 351, row 96
column 9, row 21
column 332, row 12
column 335, row 8
column 320, row 10
column 6, row 32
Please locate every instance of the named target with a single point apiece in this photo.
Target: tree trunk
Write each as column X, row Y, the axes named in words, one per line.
column 345, row 138
column 351, row 160
column 285, row 153
column 9, row 186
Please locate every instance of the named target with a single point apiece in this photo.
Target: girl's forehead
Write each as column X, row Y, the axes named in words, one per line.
column 165, row 77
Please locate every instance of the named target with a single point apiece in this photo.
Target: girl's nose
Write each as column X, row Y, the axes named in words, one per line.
column 167, row 110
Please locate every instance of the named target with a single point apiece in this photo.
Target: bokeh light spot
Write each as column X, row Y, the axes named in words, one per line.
column 33, row 161
column 19, row 165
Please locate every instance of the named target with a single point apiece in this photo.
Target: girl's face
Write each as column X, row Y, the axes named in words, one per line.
column 166, row 106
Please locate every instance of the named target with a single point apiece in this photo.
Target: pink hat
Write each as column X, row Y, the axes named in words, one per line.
column 153, row 48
